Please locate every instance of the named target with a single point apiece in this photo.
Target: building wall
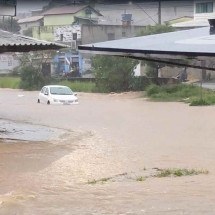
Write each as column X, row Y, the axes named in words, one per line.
column 61, row 26
column 43, row 33
column 25, row 26
column 8, row 62
column 65, row 33
column 198, row 16
column 57, row 33
column 145, row 12
column 64, row 19
column 192, row 74
column 100, row 33
column 176, row 9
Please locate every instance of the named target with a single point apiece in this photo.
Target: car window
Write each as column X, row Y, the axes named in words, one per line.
column 46, row 92
column 43, row 90
column 61, row 91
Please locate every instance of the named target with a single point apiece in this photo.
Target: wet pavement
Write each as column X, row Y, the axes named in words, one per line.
column 11, row 130
column 86, row 158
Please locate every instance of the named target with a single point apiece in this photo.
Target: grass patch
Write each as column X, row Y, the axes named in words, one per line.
column 140, row 178
column 10, row 82
column 183, row 93
column 102, row 180
column 179, row 172
column 199, row 102
column 78, row 86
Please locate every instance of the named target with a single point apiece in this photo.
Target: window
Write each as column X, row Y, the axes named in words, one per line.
column 206, row 7
column 61, row 37
column 111, row 36
column 123, row 34
column 74, row 36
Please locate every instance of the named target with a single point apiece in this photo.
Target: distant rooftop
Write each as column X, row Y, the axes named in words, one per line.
column 30, row 19
column 69, row 9
column 10, row 42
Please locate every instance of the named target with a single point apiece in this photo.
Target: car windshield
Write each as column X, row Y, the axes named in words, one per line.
column 61, row 91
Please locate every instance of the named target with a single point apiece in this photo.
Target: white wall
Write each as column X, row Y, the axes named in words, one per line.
column 67, row 32
column 8, row 62
column 198, row 16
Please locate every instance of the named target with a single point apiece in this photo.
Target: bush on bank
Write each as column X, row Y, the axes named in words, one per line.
column 193, row 95
column 181, row 92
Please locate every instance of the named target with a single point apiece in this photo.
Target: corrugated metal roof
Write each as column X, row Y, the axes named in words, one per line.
column 10, row 42
column 196, row 44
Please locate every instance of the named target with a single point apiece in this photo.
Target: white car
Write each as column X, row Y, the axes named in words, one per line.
column 57, row 94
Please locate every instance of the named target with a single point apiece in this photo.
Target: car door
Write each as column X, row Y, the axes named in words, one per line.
column 44, row 95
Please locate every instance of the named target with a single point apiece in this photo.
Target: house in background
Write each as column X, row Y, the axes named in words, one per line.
column 81, row 24
column 63, row 17
column 203, row 10
column 63, row 25
column 67, row 63
column 27, row 24
column 127, row 20
column 144, row 13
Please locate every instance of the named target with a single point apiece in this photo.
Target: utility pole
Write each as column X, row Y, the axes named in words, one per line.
column 159, row 12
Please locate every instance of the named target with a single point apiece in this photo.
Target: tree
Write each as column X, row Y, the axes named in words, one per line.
column 152, row 67
column 33, row 75
column 9, row 24
column 113, row 74
column 156, row 29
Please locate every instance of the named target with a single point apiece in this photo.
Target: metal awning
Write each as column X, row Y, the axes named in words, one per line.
column 196, row 44
column 10, row 42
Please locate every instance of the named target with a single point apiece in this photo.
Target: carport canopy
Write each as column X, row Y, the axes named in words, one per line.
column 183, row 48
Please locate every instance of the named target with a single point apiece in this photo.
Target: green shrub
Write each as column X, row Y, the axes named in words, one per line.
column 176, row 92
column 113, row 74
column 140, row 83
column 179, row 172
column 153, row 90
column 32, row 78
column 199, row 102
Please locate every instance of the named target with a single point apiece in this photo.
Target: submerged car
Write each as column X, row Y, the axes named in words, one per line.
column 57, row 94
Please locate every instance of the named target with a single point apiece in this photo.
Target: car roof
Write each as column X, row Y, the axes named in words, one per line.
column 55, row 86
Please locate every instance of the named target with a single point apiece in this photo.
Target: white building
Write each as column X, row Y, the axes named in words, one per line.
column 203, row 10
column 30, row 22
column 8, row 62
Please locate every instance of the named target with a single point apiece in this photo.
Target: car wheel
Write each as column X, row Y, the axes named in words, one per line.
column 48, row 102
column 38, row 101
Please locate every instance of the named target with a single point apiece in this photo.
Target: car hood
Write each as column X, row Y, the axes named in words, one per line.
column 64, row 97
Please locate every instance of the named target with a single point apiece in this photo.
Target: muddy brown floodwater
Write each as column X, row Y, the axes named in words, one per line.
column 86, row 158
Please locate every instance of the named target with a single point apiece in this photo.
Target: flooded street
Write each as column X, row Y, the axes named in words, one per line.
column 86, row 158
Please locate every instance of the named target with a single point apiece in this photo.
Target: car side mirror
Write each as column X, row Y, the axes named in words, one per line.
column 75, row 94
column 46, row 94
